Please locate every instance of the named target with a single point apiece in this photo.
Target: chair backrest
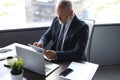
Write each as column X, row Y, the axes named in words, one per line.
column 90, row 24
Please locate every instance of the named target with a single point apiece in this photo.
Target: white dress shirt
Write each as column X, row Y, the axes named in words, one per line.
column 67, row 25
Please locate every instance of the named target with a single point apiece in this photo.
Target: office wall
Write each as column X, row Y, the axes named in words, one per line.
column 23, row 36
column 105, row 48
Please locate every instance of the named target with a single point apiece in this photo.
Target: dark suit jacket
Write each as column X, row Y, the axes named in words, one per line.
column 75, row 41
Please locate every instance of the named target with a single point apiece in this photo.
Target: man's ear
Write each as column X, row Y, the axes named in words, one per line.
column 71, row 13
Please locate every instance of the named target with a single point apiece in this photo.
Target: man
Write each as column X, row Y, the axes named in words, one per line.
column 74, row 37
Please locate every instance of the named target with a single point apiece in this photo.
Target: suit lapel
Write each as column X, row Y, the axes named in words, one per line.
column 56, row 32
column 71, row 28
column 57, row 28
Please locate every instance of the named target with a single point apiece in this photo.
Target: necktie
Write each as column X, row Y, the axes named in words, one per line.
column 61, row 38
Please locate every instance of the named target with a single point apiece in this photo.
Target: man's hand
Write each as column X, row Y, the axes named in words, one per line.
column 50, row 54
column 38, row 44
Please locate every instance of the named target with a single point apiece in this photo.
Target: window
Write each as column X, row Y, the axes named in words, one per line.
column 40, row 10
column 102, row 12
column 22, row 12
column 12, row 12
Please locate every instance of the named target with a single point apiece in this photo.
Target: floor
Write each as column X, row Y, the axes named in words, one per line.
column 111, row 72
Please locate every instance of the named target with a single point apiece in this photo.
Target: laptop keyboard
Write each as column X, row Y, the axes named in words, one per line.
column 50, row 66
column 47, row 69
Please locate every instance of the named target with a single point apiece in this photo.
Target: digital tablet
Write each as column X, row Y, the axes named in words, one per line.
column 37, row 48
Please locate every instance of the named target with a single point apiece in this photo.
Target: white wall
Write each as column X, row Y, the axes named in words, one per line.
column 105, row 48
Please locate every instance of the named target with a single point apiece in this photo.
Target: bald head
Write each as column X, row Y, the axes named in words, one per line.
column 65, row 4
column 64, row 10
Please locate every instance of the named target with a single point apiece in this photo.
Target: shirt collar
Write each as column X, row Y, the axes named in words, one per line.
column 68, row 21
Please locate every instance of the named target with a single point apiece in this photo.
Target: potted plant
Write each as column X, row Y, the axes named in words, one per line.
column 17, row 66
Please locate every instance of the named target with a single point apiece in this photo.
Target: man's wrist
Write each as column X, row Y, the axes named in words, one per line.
column 41, row 42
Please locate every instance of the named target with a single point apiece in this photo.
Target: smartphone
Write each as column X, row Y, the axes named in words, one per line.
column 66, row 72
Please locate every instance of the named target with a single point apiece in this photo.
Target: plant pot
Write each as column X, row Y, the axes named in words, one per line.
column 17, row 77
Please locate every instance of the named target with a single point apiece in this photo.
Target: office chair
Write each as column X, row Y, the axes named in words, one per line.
column 90, row 24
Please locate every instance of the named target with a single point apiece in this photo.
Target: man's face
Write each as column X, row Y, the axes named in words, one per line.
column 63, row 14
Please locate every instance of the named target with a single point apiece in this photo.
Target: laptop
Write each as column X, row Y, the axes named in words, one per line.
column 34, row 61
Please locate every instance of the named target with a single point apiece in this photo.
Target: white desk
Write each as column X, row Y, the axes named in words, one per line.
column 9, row 53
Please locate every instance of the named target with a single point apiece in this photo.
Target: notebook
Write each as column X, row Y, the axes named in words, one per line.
column 34, row 61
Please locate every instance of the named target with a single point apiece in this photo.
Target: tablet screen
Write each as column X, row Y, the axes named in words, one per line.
column 37, row 48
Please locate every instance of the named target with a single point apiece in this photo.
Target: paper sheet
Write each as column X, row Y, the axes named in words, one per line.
column 9, row 53
column 82, row 71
